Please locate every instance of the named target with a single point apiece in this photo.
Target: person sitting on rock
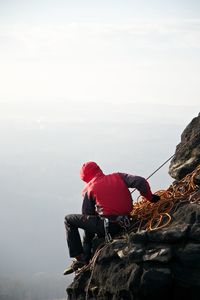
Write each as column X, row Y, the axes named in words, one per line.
column 106, row 198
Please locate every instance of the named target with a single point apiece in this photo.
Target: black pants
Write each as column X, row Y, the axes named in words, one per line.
column 91, row 225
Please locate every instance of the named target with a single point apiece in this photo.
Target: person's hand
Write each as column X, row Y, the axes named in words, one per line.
column 155, row 198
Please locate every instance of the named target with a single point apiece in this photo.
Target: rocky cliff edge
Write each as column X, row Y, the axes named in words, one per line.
column 159, row 256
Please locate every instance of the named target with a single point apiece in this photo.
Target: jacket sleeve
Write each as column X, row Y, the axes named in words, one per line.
column 139, row 183
column 88, row 206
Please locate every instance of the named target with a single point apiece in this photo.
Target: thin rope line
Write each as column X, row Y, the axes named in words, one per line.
column 160, row 166
column 178, row 150
column 156, row 170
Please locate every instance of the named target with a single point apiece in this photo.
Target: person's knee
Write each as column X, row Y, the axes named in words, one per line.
column 69, row 219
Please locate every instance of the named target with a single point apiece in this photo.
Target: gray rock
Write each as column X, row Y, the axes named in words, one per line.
column 169, row 235
column 186, row 277
column 161, row 254
column 155, row 280
column 138, row 237
column 189, row 255
column 187, row 155
column 195, row 232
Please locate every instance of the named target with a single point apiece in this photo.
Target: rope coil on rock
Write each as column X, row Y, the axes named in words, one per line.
column 154, row 216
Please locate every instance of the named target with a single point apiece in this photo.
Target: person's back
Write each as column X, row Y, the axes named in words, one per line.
column 111, row 195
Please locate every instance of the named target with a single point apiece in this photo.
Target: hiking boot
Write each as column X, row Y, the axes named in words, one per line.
column 76, row 264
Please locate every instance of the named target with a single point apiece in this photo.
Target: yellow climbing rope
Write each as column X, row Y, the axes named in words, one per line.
column 155, row 216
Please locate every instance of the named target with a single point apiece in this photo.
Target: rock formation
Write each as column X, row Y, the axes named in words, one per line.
column 159, row 256
column 187, row 155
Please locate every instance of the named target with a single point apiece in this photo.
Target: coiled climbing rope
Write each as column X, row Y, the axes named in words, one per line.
column 152, row 216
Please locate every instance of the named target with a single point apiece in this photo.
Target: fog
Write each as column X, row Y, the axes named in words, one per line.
column 41, row 154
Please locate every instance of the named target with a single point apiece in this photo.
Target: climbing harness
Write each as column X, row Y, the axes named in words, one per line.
column 123, row 221
column 108, row 237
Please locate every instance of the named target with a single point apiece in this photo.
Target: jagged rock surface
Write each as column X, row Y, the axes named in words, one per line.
column 160, row 264
column 187, row 155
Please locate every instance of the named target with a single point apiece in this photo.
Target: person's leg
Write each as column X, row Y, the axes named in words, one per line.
column 91, row 224
column 87, row 244
column 73, row 236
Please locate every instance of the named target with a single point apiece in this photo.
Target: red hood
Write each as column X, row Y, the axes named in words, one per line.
column 90, row 170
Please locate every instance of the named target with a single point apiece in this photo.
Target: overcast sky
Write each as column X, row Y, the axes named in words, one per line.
column 111, row 81
column 100, row 50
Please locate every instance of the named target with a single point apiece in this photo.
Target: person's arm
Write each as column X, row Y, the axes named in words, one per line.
column 88, row 206
column 141, row 184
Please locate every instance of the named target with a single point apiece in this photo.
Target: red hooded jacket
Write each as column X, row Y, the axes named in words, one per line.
column 110, row 193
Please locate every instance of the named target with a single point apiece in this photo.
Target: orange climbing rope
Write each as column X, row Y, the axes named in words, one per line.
column 155, row 216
